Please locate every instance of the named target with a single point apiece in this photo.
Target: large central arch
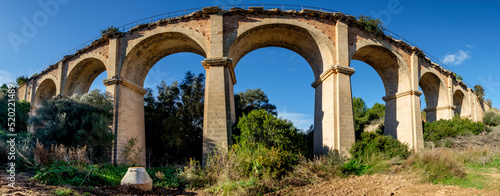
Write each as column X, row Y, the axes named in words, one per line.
column 143, row 52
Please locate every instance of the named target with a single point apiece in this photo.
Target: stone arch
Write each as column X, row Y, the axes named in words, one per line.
column 143, row 53
column 304, row 39
column 461, row 103
column 389, row 64
column 436, row 96
column 82, row 72
column 46, row 89
column 395, row 75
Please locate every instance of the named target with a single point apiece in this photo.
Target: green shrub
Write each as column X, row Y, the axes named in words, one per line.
column 64, row 173
column 372, row 25
column 77, row 121
column 441, row 129
column 491, row 118
column 259, row 126
column 373, row 143
column 354, row 167
column 437, row 164
column 166, row 177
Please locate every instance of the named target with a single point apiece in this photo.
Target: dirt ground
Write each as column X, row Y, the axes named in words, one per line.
column 379, row 184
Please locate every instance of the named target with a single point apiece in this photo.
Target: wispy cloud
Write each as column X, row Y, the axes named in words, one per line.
column 6, row 77
column 456, row 58
column 301, row 121
column 470, row 46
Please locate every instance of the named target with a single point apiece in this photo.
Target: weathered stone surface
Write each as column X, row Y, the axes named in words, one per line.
column 327, row 41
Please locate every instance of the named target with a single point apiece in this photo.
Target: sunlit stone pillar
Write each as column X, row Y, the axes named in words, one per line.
column 128, row 120
column 219, row 104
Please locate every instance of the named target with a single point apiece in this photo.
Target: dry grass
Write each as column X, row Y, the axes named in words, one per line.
column 45, row 156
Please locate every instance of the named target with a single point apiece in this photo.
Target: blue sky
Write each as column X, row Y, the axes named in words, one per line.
column 462, row 34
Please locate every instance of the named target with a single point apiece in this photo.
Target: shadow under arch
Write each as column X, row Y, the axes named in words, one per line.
column 143, row 56
column 436, row 96
column 291, row 37
column 46, row 90
column 461, row 103
column 299, row 40
column 82, row 76
column 394, row 73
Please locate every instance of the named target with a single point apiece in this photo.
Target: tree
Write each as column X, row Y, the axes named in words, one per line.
column 490, row 102
column 372, row 25
column 479, row 91
column 459, row 77
column 110, row 31
column 364, row 115
column 75, row 122
column 252, row 99
column 259, row 126
column 174, row 120
column 21, row 80
column 22, row 109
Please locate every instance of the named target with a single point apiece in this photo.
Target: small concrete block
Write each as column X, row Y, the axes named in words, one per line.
column 138, row 178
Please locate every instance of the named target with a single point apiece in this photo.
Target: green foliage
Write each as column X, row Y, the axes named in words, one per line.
column 489, row 102
column 64, row 173
column 354, row 167
column 21, row 80
column 374, row 144
column 268, row 144
column 109, row 31
column 491, row 118
column 479, row 91
column 166, row 177
column 459, row 77
column 441, row 129
column 22, row 109
column 63, row 192
column 77, row 121
column 436, row 165
column 372, row 25
column 252, row 99
column 262, row 127
column 174, row 120
column 364, row 115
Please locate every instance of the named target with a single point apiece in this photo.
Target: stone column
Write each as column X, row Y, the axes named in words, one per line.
column 333, row 118
column 440, row 112
column 128, row 120
column 219, row 104
column 403, row 120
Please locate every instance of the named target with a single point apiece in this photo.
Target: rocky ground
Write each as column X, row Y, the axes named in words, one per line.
column 379, row 184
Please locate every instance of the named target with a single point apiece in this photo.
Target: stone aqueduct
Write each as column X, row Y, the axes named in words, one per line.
column 327, row 41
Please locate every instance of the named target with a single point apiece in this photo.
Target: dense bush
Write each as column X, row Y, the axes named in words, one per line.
column 77, row 121
column 364, row 116
column 22, row 109
column 436, row 164
column 268, row 143
column 372, row 144
column 441, row 129
column 491, row 118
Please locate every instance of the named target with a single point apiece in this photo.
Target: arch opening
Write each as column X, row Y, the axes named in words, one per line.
column 46, row 90
column 461, row 104
column 287, row 36
column 436, row 98
column 82, row 76
column 395, row 78
column 149, row 51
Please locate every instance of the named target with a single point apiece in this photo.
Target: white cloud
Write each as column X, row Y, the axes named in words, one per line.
column 470, row 46
column 6, row 77
column 301, row 121
column 456, row 58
